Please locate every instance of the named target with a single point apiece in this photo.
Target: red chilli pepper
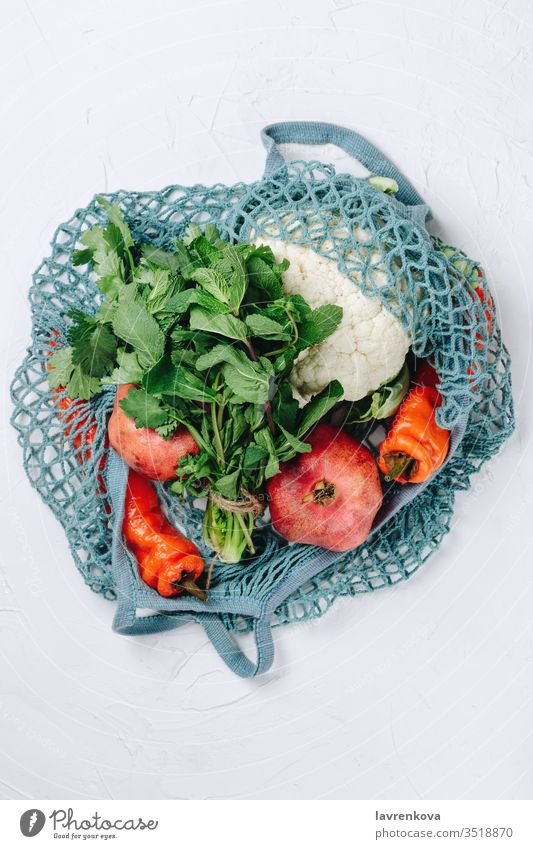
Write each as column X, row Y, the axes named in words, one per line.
column 168, row 561
column 416, row 446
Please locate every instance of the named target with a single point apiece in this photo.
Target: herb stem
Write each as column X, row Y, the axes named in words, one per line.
column 216, row 436
column 251, row 350
column 242, row 522
column 294, row 327
column 270, row 420
column 220, row 412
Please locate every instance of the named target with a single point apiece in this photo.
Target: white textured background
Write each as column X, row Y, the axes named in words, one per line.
column 418, row 692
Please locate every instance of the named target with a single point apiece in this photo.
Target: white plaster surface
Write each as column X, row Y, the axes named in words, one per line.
column 423, row 691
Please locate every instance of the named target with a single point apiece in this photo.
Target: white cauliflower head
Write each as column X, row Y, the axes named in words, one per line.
column 369, row 346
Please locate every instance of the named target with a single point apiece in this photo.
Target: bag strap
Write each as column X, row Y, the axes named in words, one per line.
column 356, row 146
column 229, row 651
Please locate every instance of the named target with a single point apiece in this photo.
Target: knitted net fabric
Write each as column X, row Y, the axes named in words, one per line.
column 378, row 243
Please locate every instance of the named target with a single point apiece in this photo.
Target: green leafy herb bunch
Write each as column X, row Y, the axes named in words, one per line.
column 208, row 337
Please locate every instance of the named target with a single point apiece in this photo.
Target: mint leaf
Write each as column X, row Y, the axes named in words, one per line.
column 133, row 324
column 231, row 266
column 246, row 388
column 295, row 443
column 265, row 328
column 211, row 233
column 319, row 405
column 144, row 409
column 254, row 417
column 262, row 277
column 248, row 382
column 181, row 302
column 297, row 307
column 254, row 456
column 185, row 263
column 320, row 324
column 192, row 232
column 263, row 438
column 164, row 286
column 168, row 379
column 202, row 252
column 285, row 408
column 223, row 354
column 213, row 282
column 225, row 325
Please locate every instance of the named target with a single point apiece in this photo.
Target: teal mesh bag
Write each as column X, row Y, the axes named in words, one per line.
column 420, row 281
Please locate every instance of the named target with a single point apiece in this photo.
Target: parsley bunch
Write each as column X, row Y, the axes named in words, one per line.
column 208, row 337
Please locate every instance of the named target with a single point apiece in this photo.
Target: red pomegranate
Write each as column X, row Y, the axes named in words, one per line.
column 144, row 449
column 329, row 496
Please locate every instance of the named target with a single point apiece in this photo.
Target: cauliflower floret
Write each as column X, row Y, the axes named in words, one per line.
column 369, row 346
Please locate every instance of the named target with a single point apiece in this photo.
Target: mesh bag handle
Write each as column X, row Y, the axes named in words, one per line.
column 355, row 145
column 232, row 655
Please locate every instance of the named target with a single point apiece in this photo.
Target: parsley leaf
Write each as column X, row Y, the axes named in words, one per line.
column 60, row 368
column 93, row 345
column 82, row 385
column 144, row 409
column 115, row 217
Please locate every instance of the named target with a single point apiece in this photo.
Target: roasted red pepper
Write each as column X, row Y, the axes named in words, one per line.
column 168, row 561
column 415, row 446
